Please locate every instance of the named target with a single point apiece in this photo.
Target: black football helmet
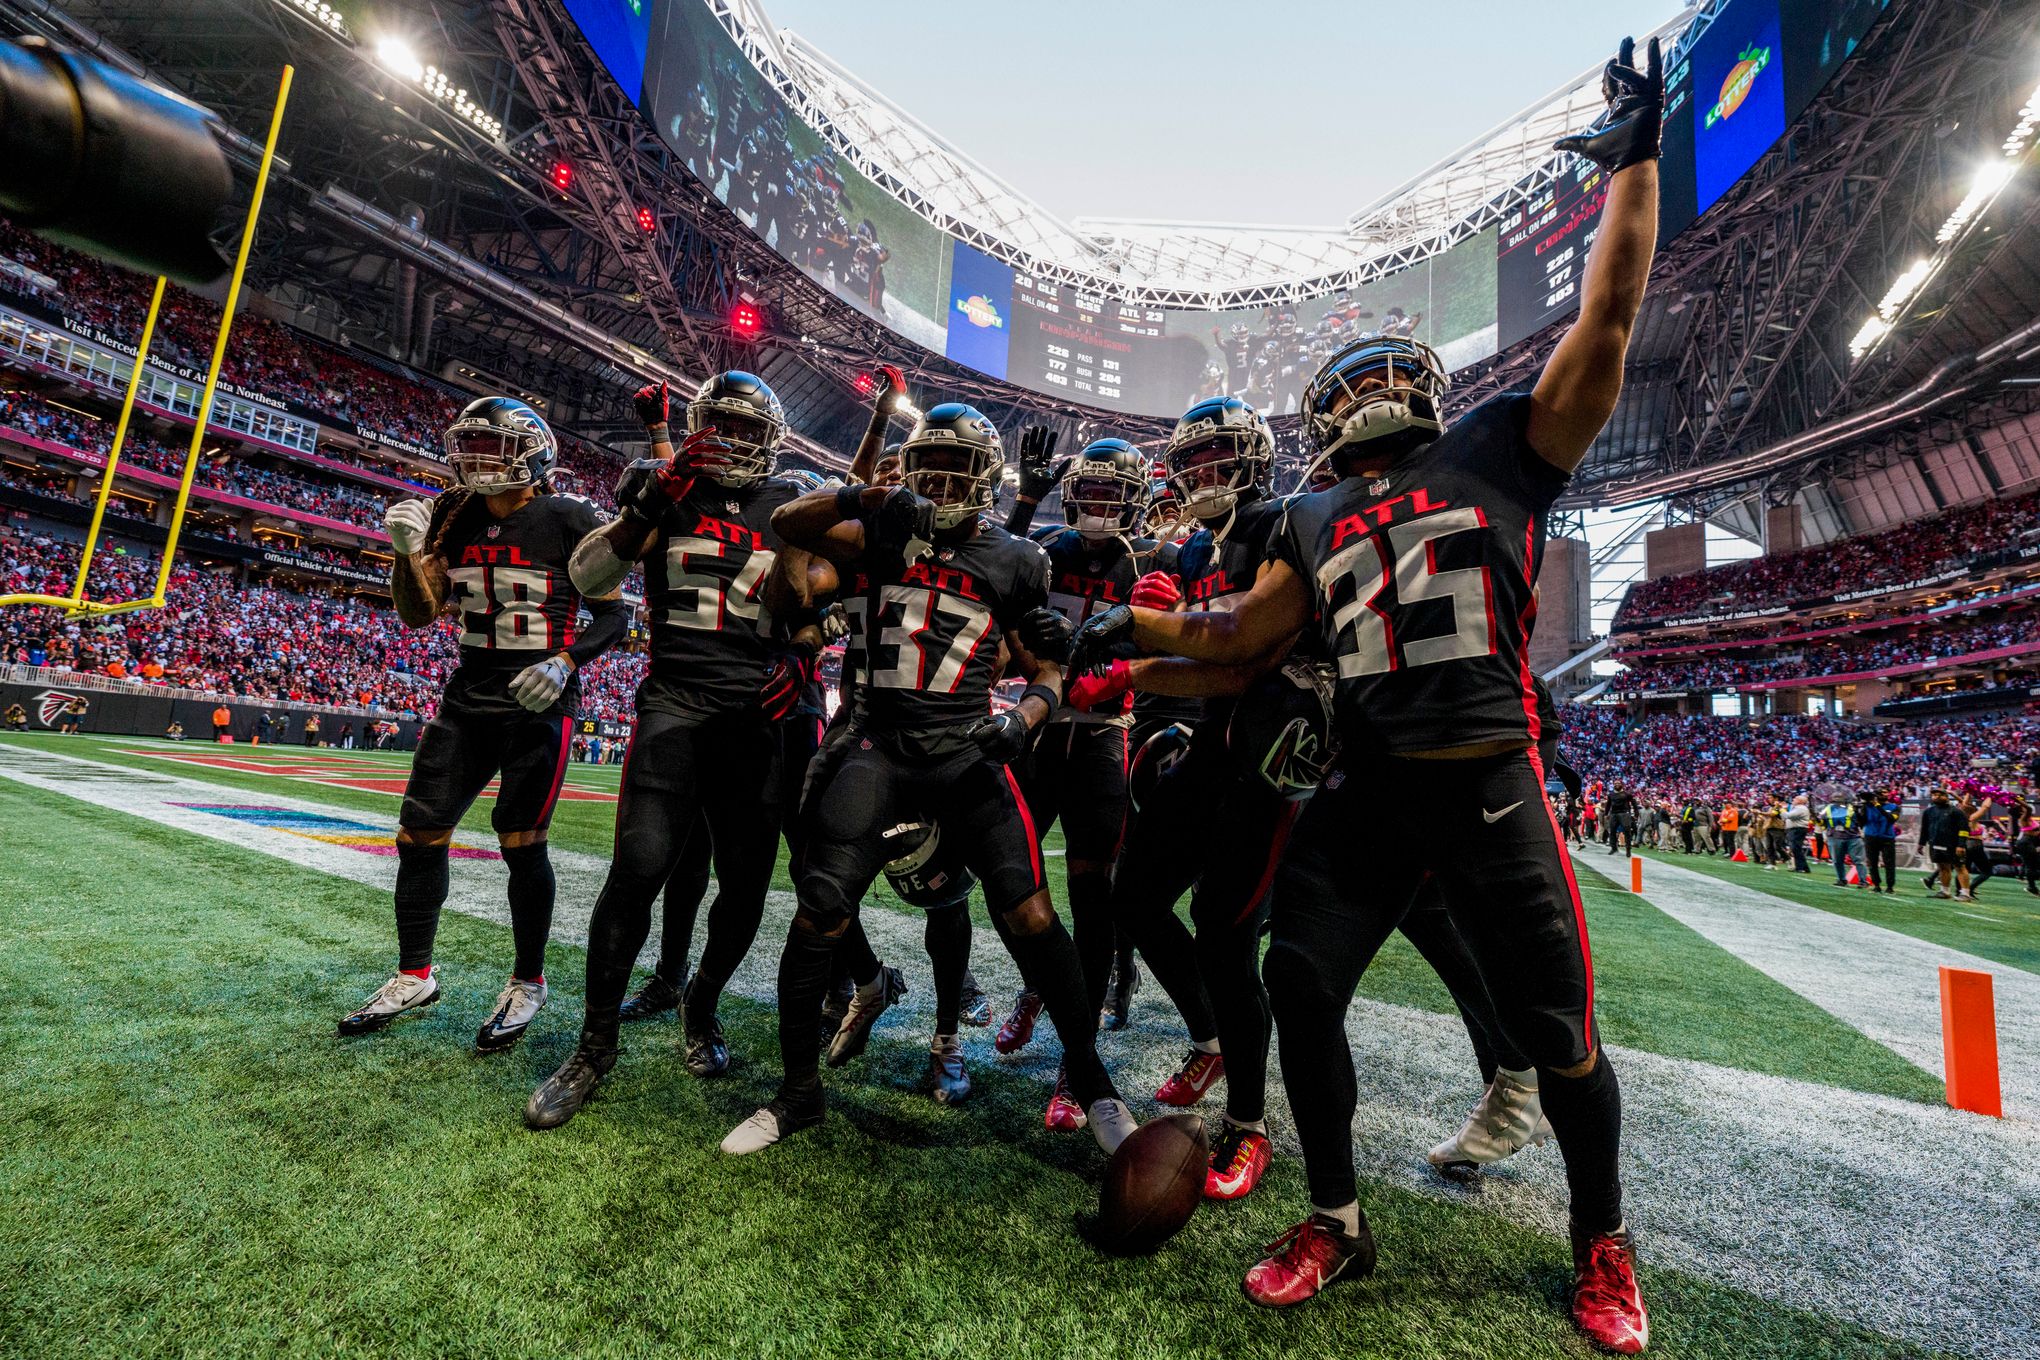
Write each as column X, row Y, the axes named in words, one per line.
column 1280, row 733
column 922, row 871
column 499, row 444
column 1105, row 490
column 954, row 457
column 1219, row 455
column 1381, row 391
column 747, row 416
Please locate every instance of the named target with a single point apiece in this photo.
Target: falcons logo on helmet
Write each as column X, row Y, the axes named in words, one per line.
column 50, row 704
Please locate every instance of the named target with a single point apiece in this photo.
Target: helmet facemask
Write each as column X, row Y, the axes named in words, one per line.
column 490, row 458
column 753, row 438
column 1377, row 399
column 1208, row 477
column 1103, row 501
column 961, row 481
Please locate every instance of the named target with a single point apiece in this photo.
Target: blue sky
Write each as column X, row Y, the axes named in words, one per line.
column 1284, row 111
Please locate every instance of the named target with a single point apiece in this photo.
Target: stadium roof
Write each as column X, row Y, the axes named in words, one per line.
column 1202, row 265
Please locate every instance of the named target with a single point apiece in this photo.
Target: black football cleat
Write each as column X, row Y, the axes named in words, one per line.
column 708, row 1053
column 561, row 1095
column 656, row 997
column 835, row 1005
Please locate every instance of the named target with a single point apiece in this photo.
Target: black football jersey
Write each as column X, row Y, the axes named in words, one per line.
column 1423, row 583
column 1086, row 578
column 1152, row 711
column 705, row 577
column 508, row 580
column 1218, row 572
column 923, row 650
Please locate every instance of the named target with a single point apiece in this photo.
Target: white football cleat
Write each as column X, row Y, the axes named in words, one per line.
column 516, row 1007
column 770, row 1124
column 1111, row 1123
column 1507, row 1118
column 401, row 993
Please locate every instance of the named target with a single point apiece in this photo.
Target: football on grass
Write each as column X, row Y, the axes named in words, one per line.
column 1152, row 1185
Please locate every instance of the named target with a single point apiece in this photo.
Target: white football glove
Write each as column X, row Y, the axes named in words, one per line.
column 407, row 522
column 835, row 624
column 538, row 687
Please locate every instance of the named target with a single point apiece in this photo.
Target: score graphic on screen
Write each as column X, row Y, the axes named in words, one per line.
column 1541, row 252
column 1066, row 343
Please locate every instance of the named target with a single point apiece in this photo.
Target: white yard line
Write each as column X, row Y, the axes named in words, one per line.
column 1908, row 1219
column 1882, row 982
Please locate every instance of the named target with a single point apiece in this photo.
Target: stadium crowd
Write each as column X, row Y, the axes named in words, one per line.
column 1914, row 551
column 1847, row 656
column 1675, row 758
column 246, row 638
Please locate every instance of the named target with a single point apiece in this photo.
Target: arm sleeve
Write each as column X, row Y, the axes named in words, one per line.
column 611, row 618
column 1019, row 517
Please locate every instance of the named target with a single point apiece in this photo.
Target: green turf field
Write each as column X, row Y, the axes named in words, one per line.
column 194, row 1165
column 2003, row 926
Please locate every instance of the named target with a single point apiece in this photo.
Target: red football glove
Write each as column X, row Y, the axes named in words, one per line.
column 892, row 385
column 1087, row 693
column 1157, row 590
column 779, row 694
column 701, row 454
column 654, row 405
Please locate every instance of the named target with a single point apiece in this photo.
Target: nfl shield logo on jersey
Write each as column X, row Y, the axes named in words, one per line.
column 494, row 530
column 1377, row 486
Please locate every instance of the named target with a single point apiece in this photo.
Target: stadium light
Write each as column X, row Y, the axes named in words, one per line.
column 646, row 221
column 322, row 14
column 562, row 176
column 396, row 55
column 1990, row 180
column 745, row 320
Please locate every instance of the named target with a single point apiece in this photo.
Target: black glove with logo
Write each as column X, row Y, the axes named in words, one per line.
column 1046, row 635
column 1628, row 133
column 1003, row 736
column 1037, row 476
column 904, row 522
column 1104, row 639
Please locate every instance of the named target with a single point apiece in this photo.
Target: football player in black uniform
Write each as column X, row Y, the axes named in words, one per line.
column 1418, row 573
column 699, row 519
column 496, row 551
column 1076, row 770
column 1218, row 460
column 933, row 590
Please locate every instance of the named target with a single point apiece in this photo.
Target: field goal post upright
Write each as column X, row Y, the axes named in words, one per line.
column 75, row 604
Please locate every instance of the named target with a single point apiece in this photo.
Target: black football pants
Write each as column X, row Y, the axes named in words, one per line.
column 1203, row 827
column 1347, row 880
column 681, row 765
column 856, row 790
column 795, row 740
column 1077, row 772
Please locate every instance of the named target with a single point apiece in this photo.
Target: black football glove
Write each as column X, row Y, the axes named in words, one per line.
column 904, row 522
column 654, row 407
column 1628, row 133
column 1104, row 639
column 1037, row 476
column 1046, row 635
column 1002, row 737
column 637, row 490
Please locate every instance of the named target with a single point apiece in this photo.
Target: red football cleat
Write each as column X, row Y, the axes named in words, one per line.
column 1063, row 1113
column 1236, row 1162
column 1606, row 1304
column 1308, row 1257
column 1199, row 1071
column 1019, row 1026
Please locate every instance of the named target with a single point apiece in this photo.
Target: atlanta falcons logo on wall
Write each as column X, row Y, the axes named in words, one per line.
column 49, row 705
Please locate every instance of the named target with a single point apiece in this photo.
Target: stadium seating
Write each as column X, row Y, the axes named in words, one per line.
column 236, row 636
column 1671, row 758
column 1968, row 536
column 1948, row 643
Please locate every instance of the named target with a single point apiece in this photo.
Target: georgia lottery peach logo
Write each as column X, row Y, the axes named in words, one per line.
column 1735, row 86
column 978, row 309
